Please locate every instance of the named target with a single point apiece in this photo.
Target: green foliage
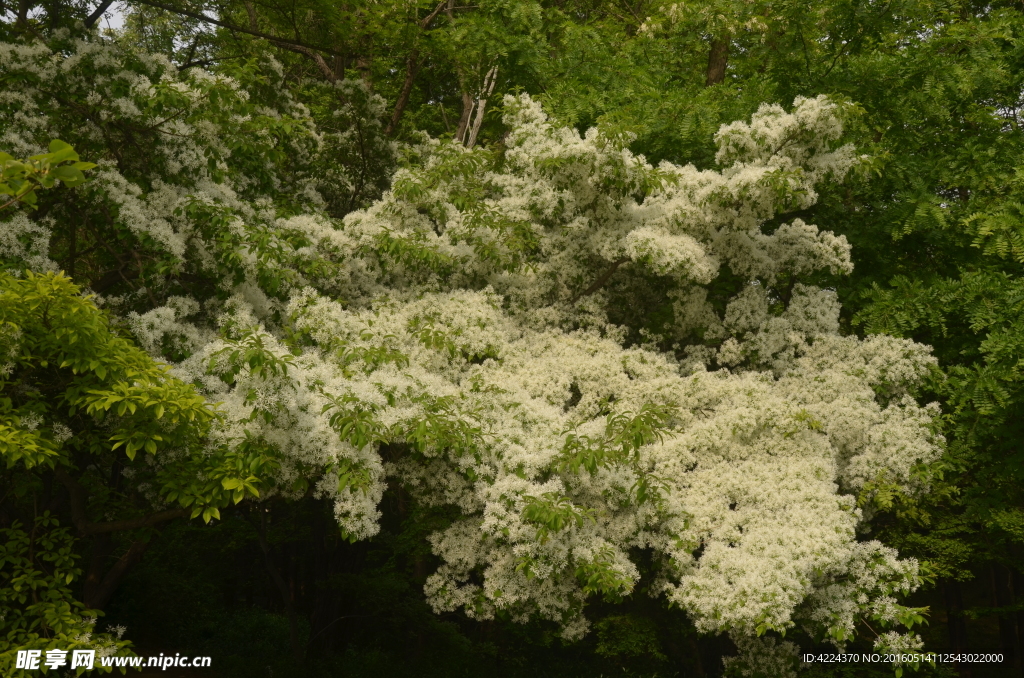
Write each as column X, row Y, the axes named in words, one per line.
column 40, row 611
column 55, row 338
column 93, row 393
column 551, row 514
column 627, row 636
column 20, row 179
column 600, row 576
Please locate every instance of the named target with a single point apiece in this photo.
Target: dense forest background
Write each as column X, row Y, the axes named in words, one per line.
column 933, row 95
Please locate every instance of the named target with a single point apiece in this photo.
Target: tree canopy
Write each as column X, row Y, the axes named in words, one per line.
column 675, row 331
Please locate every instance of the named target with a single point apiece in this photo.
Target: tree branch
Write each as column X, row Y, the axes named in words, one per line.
column 111, row 278
column 79, row 499
column 412, row 67
column 91, row 20
column 468, row 103
column 293, row 46
column 320, row 62
column 232, row 27
column 134, row 524
column 98, row 595
column 600, row 282
column 427, row 20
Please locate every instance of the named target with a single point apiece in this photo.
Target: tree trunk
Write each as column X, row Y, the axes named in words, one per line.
column 102, row 545
column 718, row 59
column 100, row 589
column 363, row 66
column 72, row 250
column 412, row 66
column 325, row 600
column 283, row 587
column 1017, row 596
column 698, row 665
column 956, row 622
column 1002, row 596
column 22, row 20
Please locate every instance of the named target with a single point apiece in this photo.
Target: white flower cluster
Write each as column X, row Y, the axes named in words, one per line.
column 181, row 156
column 126, row 89
column 28, row 242
column 750, row 516
column 749, row 495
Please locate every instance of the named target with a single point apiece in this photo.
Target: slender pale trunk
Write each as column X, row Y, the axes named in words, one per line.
column 481, row 105
column 473, row 109
column 467, row 112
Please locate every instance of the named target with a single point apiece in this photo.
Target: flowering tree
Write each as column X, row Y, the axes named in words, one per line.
column 182, row 159
column 463, row 337
column 472, row 343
